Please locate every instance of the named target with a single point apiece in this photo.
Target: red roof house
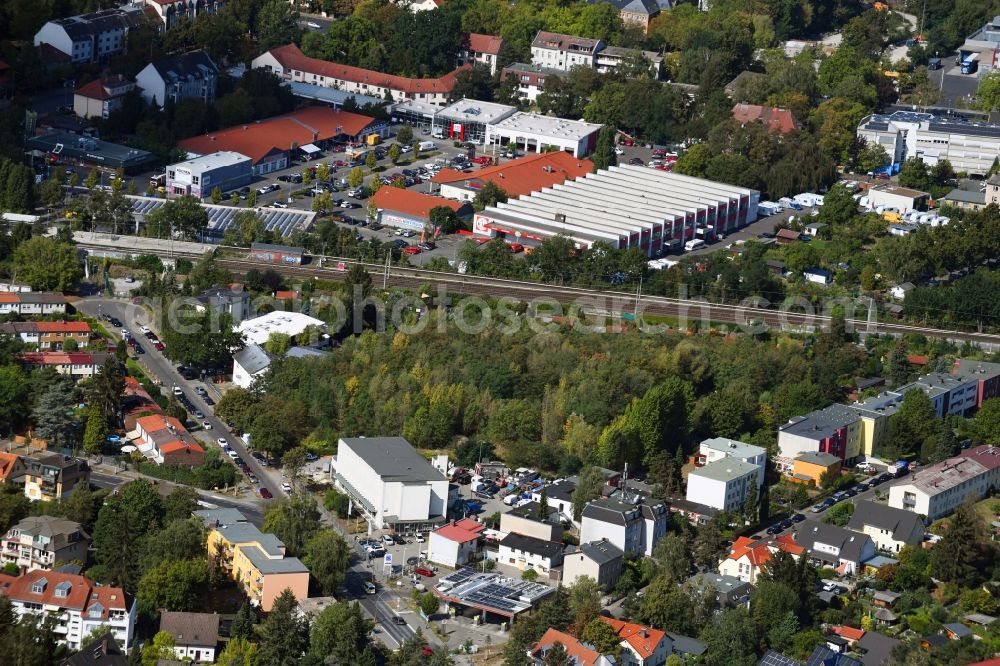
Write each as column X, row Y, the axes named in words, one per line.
column 579, row 654
column 648, row 646
column 775, row 119
column 454, row 544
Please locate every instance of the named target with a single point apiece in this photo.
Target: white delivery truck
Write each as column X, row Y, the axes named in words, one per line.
column 427, row 146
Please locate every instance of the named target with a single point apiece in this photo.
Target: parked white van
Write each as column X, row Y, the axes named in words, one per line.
column 694, row 244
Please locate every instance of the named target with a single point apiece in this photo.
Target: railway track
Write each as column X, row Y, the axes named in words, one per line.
column 596, row 301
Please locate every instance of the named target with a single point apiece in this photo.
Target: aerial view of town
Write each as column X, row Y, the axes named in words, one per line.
column 500, row 332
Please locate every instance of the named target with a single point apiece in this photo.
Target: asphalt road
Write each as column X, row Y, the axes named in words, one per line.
column 132, row 317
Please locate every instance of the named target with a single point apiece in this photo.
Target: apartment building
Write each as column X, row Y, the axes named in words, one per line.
column 255, row 560
column 890, row 528
column 632, row 528
column 937, row 490
column 600, row 560
column 720, row 448
column 12, row 468
column 835, row 429
column 101, row 97
column 985, row 375
column 78, row 365
column 874, row 413
column 525, row 519
column 43, row 542
column 94, row 37
column 723, row 484
column 49, row 335
column 171, row 11
column 75, row 605
column 551, row 50
column 289, row 63
column 969, row 146
column 639, row 12
column 51, row 477
column 189, row 76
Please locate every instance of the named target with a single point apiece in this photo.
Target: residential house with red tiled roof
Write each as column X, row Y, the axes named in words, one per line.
column 455, row 544
column 748, row 556
column 49, row 335
column 165, row 440
column 32, row 303
column 579, row 653
column 409, row 209
column 641, row 645
column 519, row 177
column 79, row 605
column 78, row 365
column 775, row 119
column 12, row 468
column 268, row 143
column 481, row 49
column 289, row 63
column 101, row 97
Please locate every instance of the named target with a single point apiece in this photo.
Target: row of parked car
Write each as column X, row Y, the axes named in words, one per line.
column 851, row 492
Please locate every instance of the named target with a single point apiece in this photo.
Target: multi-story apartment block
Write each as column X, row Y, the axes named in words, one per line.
column 632, row 528
column 49, row 335
column 874, row 414
column 42, row 542
column 969, row 146
column 75, row 605
column 94, row 37
column 951, row 395
column 639, row 12
column 171, row 11
column 562, row 53
column 723, row 484
column 835, row 430
column 189, row 76
column 720, row 448
column 255, row 560
column 289, row 63
column 937, row 490
column 101, row 97
column 51, row 477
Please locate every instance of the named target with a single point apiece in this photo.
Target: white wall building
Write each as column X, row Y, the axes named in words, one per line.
column 196, row 635
column 390, row 483
column 76, row 605
column 199, row 176
column 890, row 528
column 249, row 364
column 600, row 560
column 93, row 37
column 632, row 528
column 171, row 11
column 259, row 329
column 937, row 490
column 524, row 552
column 531, row 132
column 830, row 545
column 189, row 76
column 563, row 52
column 723, row 484
column 720, row 448
column 455, row 544
column 41, row 542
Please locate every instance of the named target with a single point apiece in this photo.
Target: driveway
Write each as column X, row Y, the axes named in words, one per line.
column 164, row 372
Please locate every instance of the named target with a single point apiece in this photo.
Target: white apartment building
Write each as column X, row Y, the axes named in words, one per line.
column 969, row 146
column 891, row 529
column 188, row 76
column 723, row 484
column 720, row 448
column 41, row 542
column 75, row 604
column 937, row 490
column 632, row 528
column 524, row 552
column 171, row 11
column 93, row 37
column 835, row 430
column 551, row 50
column 951, row 395
column 391, row 484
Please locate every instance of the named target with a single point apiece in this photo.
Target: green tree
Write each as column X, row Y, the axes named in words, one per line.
column 672, row 559
column 604, row 639
column 604, row 152
column 174, row 585
column 355, row 177
column 557, row 656
column 490, row 194
column 445, row 219
column 839, row 514
column 54, row 418
column 277, row 25
column 238, row 652
column 252, row 198
column 293, row 521
column 405, row 135
column 122, row 523
column 91, row 180
column 731, row 639
column 282, row 635
column 988, row 93
column 340, row 635
column 48, row 264
column 96, row 432
column 371, row 161
column 962, row 554
column 429, row 603
column 217, row 195
column 243, row 623
column 106, row 390
column 987, row 422
column 839, row 206
column 278, row 344
column 393, row 153
column 327, row 556
column 584, row 600
column 587, row 488
column 161, row 647
column 179, row 504
column 872, row 157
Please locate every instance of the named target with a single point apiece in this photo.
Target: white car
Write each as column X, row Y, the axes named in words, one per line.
column 420, row 537
column 232, row 454
column 619, row 150
column 387, row 540
column 287, row 487
column 279, row 204
column 313, row 25
column 223, row 442
column 178, row 390
column 206, row 425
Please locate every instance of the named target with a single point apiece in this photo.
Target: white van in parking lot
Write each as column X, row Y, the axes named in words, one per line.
column 695, row 244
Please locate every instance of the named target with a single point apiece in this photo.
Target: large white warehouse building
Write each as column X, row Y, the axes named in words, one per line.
column 626, row 206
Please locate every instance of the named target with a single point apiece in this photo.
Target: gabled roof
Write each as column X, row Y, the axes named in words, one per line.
column 484, row 43
column 17, row 327
column 642, row 639
column 577, row 651
column 875, row 648
column 899, row 523
column 81, row 594
column 191, row 66
column 291, row 57
column 601, row 552
column 409, row 202
column 65, row 358
column 850, row 633
column 9, row 463
column 775, row 119
column 102, row 651
column 461, row 532
column 541, row 547
column 197, row 629
column 523, row 175
column 252, row 358
column 850, row 544
column 759, row 551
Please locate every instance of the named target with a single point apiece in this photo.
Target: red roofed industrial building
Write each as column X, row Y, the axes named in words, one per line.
column 647, row 646
column 775, row 119
column 519, row 177
column 269, row 143
column 454, row 544
column 410, row 210
column 289, row 63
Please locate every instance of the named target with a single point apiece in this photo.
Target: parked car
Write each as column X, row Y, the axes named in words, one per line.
column 420, row 537
column 265, row 493
column 398, row 620
column 287, row 487
column 223, row 442
column 369, row 587
column 424, row 571
column 388, row 540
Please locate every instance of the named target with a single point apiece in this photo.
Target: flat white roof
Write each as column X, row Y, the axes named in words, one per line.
column 211, row 161
column 474, row 111
column 545, row 126
column 414, row 106
column 258, row 329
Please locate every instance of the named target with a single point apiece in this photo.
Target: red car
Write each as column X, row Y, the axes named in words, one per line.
column 627, row 142
column 483, row 159
column 424, row 571
column 159, row 346
column 516, row 247
column 340, row 164
column 265, row 493
column 413, row 249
